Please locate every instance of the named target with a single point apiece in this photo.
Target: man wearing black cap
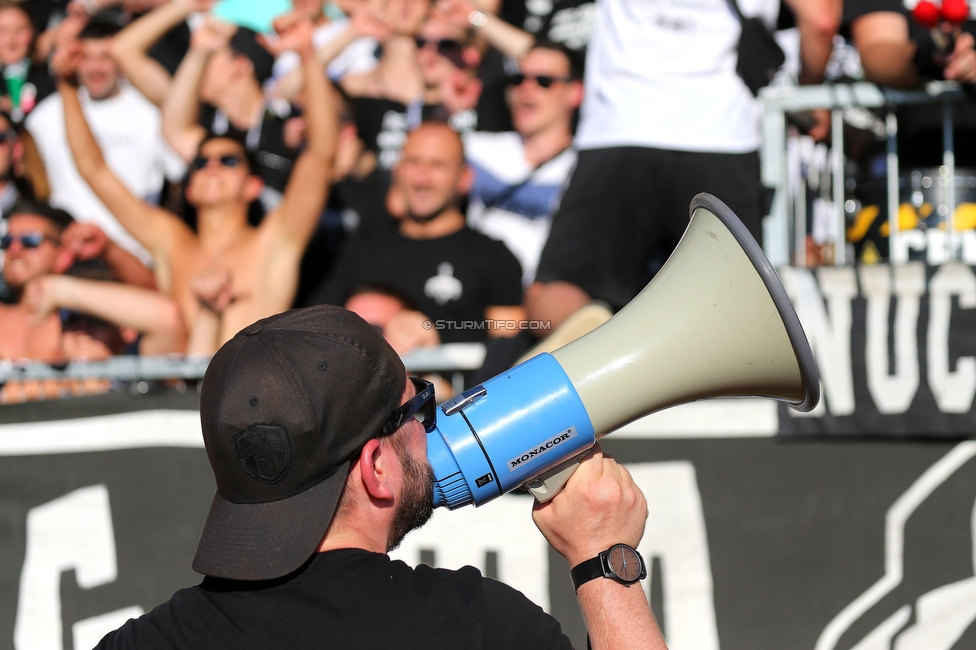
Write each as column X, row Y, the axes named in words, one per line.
column 318, row 446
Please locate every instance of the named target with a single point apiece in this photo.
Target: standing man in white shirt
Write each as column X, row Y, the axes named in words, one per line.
column 665, row 116
column 126, row 125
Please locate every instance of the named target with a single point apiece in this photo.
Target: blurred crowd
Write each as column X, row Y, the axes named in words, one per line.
column 506, row 171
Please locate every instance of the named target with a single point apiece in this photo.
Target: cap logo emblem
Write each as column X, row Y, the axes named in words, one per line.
column 264, row 451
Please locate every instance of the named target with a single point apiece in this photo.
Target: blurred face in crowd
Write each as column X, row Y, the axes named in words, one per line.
column 374, row 307
column 535, row 108
column 16, row 34
column 24, row 263
column 407, row 16
column 224, row 68
column 442, row 49
column 431, row 173
column 97, row 70
column 220, row 175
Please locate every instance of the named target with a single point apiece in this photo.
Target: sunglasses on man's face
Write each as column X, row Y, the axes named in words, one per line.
column 448, row 48
column 420, row 406
column 543, row 80
column 227, row 160
column 7, row 137
column 27, row 240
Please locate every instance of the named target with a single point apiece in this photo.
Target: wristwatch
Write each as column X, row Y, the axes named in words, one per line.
column 619, row 562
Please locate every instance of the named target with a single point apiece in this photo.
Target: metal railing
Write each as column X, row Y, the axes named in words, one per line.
column 784, row 234
column 453, row 359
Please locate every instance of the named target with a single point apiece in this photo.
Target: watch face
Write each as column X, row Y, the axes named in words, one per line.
column 625, row 563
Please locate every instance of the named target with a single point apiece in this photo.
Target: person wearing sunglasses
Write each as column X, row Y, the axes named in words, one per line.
column 32, row 247
column 318, row 442
column 41, row 247
column 262, row 261
column 519, row 175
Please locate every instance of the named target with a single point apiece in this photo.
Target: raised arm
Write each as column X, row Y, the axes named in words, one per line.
column 890, row 57
column 88, row 241
column 818, row 22
column 155, row 316
column 599, row 507
column 293, row 221
column 130, row 46
column 363, row 22
column 153, row 227
column 504, row 37
column 181, row 108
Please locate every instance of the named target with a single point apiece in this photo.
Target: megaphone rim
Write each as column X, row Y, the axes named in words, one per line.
column 794, row 330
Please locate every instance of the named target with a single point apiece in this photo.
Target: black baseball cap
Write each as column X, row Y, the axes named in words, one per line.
column 284, row 406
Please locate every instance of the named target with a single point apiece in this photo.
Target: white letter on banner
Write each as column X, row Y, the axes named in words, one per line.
column 892, row 393
column 830, row 337
column 675, row 533
column 71, row 532
column 953, row 391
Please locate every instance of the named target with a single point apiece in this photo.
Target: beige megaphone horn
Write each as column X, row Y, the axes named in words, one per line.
column 714, row 322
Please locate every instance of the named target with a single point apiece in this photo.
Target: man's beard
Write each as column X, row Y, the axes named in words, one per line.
column 416, row 503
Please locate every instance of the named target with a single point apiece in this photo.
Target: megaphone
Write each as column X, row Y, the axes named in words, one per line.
column 714, row 322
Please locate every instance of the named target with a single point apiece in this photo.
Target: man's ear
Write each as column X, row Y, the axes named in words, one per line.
column 465, row 180
column 576, row 94
column 374, row 467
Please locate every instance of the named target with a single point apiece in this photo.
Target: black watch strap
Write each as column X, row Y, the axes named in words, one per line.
column 586, row 571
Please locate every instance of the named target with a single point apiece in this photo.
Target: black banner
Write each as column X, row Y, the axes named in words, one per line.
column 752, row 542
column 895, row 346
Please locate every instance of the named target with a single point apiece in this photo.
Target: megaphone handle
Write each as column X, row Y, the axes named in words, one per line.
column 551, row 483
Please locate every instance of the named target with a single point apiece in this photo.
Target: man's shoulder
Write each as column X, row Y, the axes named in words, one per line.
column 185, row 620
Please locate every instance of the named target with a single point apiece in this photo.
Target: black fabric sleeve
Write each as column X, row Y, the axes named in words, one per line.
column 514, row 621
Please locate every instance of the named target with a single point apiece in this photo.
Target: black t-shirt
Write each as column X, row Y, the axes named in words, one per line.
column 348, row 598
column 451, row 279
